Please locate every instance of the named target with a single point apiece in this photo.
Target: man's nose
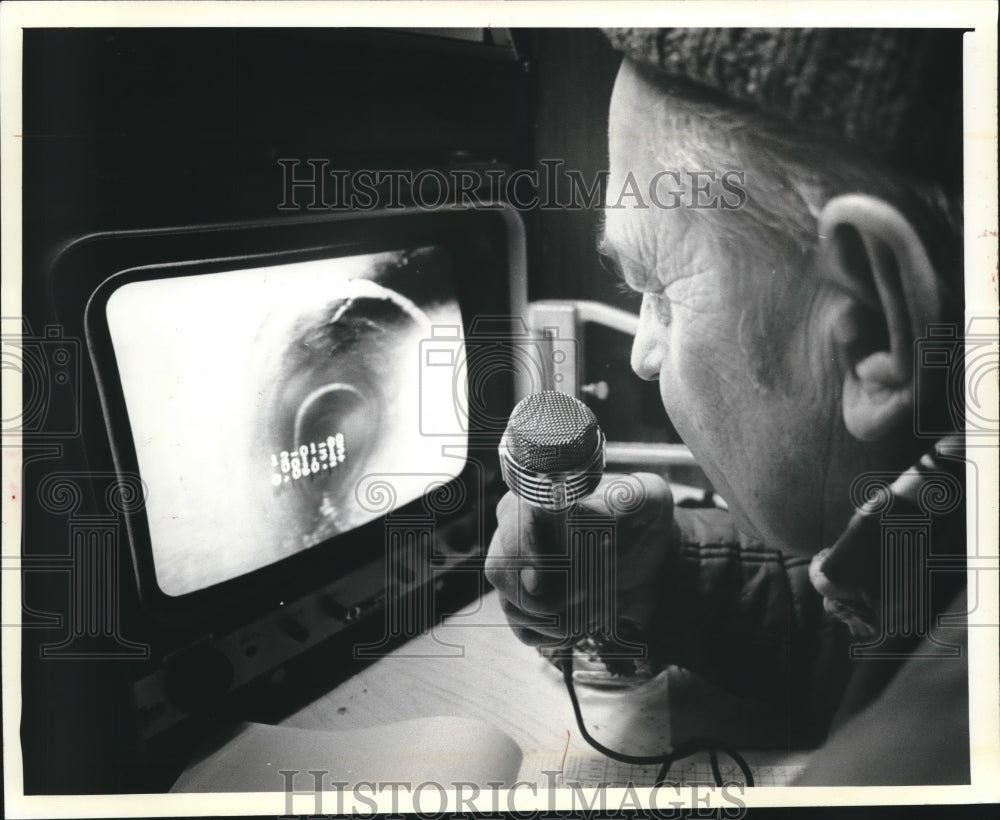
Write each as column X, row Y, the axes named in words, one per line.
column 645, row 347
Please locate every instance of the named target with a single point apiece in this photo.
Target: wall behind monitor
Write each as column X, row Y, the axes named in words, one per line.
column 131, row 129
column 145, row 128
column 573, row 72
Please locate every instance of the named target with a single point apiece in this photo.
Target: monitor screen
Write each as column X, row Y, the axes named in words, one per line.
column 261, row 399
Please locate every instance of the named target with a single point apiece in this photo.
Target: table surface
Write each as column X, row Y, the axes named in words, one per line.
column 472, row 666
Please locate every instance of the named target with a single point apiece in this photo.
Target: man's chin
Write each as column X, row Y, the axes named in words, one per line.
column 715, row 477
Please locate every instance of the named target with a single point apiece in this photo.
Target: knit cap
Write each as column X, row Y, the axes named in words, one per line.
column 896, row 93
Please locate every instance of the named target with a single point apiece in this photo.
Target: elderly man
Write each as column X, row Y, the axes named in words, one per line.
column 783, row 330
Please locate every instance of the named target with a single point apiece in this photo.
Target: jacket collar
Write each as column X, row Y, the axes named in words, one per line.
column 849, row 574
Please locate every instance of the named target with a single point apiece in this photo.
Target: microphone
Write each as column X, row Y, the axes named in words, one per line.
column 552, row 453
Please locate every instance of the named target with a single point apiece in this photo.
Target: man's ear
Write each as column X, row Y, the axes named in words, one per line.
column 872, row 253
column 332, row 408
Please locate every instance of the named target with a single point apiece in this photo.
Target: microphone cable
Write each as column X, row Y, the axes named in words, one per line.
column 665, row 760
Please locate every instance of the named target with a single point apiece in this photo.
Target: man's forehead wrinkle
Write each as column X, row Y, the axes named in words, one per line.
column 607, row 250
column 688, row 263
column 676, row 242
column 615, row 239
column 674, row 249
column 652, row 252
column 647, row 248
column 647, row 245
column 683, row 270
column 626, row 245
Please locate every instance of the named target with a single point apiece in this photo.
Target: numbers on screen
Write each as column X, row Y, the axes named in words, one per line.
column 289, row 466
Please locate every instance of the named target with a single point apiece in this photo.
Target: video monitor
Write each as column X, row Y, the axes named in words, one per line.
column 259, row 399
column 281, row 388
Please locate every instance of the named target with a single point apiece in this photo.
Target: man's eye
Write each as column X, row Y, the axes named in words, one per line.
column 631, row 278
column 609, row 263
column 625, row 289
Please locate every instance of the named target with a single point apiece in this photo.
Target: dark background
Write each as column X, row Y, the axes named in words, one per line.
column 141, row 128
column 137, row 129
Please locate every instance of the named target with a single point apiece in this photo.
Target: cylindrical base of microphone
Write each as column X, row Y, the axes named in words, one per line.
column 555, row 492
column 552, row 456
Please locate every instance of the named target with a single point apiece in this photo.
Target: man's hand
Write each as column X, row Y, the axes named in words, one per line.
column 551, row 571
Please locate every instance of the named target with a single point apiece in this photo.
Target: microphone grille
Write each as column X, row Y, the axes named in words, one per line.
column 551, row 432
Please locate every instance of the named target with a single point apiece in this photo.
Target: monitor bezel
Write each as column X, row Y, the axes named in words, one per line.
column 98, row 265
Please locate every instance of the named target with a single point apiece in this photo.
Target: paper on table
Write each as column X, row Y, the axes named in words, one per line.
column 437, row 749
column 596, row 771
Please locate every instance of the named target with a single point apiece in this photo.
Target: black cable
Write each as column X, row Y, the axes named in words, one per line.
column 666, row 759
